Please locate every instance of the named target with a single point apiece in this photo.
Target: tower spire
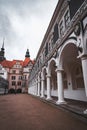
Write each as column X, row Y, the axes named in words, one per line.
column 2, row 52
column 27, row 55
column 3, row 45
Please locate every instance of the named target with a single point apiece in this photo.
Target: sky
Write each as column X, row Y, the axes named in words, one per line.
column 23, row 24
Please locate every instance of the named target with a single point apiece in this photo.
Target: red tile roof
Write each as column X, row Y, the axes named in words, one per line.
column 27, row 61
column 9, row 64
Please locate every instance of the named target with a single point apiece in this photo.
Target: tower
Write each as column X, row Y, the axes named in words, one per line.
column 2, row 52
column 27, row 55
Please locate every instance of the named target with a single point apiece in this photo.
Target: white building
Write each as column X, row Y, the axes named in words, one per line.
column 3, row 80
column 61, row 63
column 3, row 72
column 17, row 73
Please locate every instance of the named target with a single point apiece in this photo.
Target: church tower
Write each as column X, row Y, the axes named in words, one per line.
column 27, row 55
column 2, row 52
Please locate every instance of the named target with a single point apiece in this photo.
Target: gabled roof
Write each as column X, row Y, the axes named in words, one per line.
column 20, row 61
column 27, row 61
column 10, row 64
column 7, row 63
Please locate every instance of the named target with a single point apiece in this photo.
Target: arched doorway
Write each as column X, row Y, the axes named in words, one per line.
column 74, row 85
column 53, row 74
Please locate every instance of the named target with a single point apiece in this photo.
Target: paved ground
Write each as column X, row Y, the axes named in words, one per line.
column 24, row 112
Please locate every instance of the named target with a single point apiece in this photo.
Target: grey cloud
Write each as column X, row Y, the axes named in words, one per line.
column 30, row 14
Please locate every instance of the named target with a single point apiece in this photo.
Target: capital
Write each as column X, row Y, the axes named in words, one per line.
column 59, row 70
column 48, row 76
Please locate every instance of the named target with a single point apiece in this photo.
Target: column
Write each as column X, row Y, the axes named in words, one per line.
column 60, row 87
column 38, row 88
column 42, row 88
column 48, row 88
column 84, row 68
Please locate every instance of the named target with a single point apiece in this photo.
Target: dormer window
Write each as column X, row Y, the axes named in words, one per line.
column 13, row 71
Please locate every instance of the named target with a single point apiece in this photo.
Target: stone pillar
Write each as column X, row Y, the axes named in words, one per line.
column 48, row 88
column 84, row 68
column 42, row 88
column 60, row 87
column 38, row 88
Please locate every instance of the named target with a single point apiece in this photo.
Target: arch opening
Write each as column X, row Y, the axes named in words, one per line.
column 73, row 75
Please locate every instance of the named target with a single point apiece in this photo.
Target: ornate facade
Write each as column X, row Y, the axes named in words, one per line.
column 60, row 69
column 18, row 72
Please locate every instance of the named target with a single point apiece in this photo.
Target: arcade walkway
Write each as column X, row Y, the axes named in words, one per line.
column 25, row 112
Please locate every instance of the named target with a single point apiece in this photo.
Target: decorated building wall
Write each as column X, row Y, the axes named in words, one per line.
column 60, row 69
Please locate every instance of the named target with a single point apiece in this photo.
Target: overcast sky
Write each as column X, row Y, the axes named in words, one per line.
column 23, row 24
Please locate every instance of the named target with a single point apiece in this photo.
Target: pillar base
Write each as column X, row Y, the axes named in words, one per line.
column 38, row 95
column 85, row 112
column 48, row 98
column 42, row 96
column 61, row 102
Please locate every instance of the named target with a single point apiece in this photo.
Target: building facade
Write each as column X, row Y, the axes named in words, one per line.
column 3, row 72
column 60, row 69
column 3, row 80
column 18, row 73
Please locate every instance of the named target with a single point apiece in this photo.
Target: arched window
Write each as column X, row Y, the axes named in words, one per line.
column 65, row 80
column 79, row 77
column 55, row 34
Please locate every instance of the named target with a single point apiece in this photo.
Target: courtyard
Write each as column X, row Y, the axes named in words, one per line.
column 25, row 112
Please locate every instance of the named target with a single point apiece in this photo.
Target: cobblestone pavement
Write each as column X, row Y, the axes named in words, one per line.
column 24, row 112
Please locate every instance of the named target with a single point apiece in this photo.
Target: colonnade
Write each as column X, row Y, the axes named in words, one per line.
column 60, row 87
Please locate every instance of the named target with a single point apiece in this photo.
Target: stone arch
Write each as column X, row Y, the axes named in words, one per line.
column 68, row 42
column 44, row 74
column 52, row 66
column 76, row 71
column 44, row 69
column 70, row 63
column 49, row 65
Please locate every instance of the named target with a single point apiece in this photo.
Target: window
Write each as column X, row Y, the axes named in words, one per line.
column 46, row 49
column 61, row 27
column 74, row 5
column 20, row 77
column 67, row 18
column 20, row 71
column 13, row 77
column 13, row 83
column 65, row 81
column 79, row 77
column 24, row 77
column 13, row 71
column 55, row 34
column 19, row 83
column 49, row 47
